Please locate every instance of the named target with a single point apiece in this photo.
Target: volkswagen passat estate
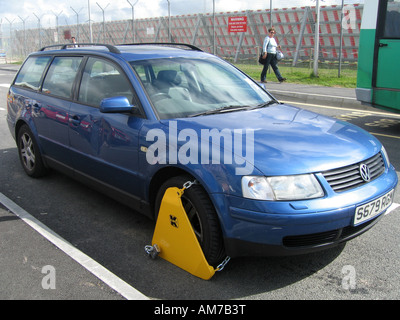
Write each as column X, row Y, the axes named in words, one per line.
column 263, row 178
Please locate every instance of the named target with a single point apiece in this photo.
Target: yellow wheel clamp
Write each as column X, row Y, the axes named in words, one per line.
column 175, row 241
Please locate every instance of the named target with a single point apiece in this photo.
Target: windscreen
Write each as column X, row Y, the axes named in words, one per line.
column 183, row 87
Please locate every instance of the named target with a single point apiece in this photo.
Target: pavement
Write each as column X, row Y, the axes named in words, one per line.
column 24, row 275
column 338, row 97
column 9, row 67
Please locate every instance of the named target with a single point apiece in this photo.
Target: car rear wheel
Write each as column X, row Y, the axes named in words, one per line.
column 202, row 216
column 29, row 153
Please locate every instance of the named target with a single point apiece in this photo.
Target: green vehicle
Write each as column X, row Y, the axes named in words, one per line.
column 378, row 79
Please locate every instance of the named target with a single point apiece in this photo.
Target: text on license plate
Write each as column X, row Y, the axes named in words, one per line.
column 373, row 208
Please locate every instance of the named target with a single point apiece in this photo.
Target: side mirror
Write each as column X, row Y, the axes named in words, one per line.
column 115, row 105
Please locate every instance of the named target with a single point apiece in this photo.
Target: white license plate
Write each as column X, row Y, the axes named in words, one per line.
column 373, row 208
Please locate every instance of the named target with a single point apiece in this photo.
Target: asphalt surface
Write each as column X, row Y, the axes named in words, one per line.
column 28, row 262
column 31, row 265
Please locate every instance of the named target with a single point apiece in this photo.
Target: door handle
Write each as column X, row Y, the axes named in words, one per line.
column 36, row 107
column 383, row 45
column 74, row 120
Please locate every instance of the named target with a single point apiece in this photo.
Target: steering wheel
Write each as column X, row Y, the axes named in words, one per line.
column 160, row 96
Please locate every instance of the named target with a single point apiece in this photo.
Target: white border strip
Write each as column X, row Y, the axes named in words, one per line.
column 370, row 14
column 88, row 263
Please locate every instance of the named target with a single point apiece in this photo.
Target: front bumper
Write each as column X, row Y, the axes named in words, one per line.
column 262, row 228
column 301, row 244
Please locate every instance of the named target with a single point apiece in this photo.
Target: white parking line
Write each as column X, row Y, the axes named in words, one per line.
column 393, row 207
column 88, row 263
column 5, row 85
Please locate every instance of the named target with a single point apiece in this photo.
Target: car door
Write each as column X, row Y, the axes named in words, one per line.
column 105, row 145
column 51, row 107
column 387, row 88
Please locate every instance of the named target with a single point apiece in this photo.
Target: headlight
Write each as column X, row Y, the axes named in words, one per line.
column 298, row 187
column 385, row 155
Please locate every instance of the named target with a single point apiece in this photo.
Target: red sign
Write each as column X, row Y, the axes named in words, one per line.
column 237, row 24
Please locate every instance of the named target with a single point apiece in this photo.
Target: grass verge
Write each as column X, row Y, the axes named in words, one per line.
column 327, row 77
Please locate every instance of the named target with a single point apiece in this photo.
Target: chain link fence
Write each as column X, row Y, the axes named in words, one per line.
column 234, row 36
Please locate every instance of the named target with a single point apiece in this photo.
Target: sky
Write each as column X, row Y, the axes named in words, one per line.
column 48, row 11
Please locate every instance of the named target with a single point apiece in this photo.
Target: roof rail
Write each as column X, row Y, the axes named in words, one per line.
column 53, row 46
column 111, row 48
column 169, row 44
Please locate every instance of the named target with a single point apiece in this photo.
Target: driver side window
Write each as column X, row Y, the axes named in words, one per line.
column 102, row 79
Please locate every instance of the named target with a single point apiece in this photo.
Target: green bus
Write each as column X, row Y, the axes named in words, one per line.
column 378, row 77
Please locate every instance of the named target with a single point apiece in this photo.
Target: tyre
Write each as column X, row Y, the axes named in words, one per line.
column 202, row 216
column 29, row 153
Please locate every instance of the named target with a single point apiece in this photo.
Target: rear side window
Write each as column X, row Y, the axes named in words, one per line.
column 61, row 76
column 31, row 72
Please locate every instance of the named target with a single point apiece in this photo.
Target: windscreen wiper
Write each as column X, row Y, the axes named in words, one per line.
column 265, row 104
column 230, row 108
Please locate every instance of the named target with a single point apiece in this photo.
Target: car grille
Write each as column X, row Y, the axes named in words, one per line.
column 349, row 177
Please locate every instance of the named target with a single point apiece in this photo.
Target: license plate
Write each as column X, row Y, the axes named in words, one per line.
column 373, row 208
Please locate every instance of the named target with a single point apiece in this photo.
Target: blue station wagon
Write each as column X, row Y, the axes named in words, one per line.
column 265, row 178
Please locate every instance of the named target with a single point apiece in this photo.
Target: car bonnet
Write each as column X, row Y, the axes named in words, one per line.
column 286, row 140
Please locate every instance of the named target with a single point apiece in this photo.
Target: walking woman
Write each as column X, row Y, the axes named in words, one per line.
column 269, row 51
